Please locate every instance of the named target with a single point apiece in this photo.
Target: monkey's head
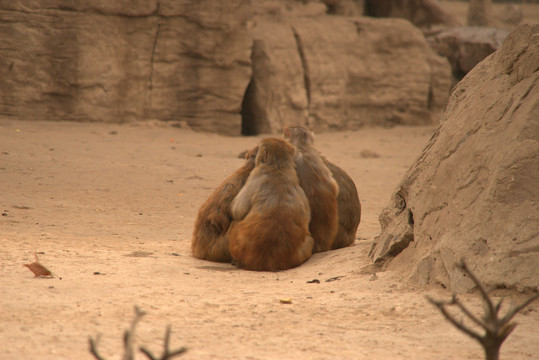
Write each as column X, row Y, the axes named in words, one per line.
column 298, row 135
column 251, row 154
column 274, row 152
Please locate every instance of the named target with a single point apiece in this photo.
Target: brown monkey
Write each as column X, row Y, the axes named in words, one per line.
column 349, row 207
column 271, row 213
column 214, row 217
column 319, row 185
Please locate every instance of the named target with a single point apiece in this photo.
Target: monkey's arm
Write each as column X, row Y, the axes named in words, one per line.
column 241, row 205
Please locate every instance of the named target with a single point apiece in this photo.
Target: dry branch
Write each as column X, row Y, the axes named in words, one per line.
column 129, row 336
column 496, row 329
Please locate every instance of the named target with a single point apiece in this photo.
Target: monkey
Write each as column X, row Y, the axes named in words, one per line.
column 349, row 207
column 270, row 231
column 213, row 219
column 319, row 185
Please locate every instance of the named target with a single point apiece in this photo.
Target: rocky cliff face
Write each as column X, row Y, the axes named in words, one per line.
column 121, row 61
column 473, row 192
column 466, row 47
column 342, row 73
column 222, row 66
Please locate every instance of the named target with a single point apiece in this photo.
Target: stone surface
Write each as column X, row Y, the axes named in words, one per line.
column 227, row 67
column 345, row 7
column 422, row 13
column 473, row 192
column 276, row 94
column 479, row 13
column 511, row 14
column 125, row 61
column 335, row 72
column 465, row 47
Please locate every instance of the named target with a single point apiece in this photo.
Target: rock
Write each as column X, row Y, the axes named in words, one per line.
column 124, row 61
column 422, row 13
column 342, row 73
column 189, row 63
column 510, row 14
column 276, row 94
column 345, row 7
column 465, row 47
column 479, row 13
column 473, row 192
column 288, row 8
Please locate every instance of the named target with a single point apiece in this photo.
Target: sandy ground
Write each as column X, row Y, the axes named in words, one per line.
column 110, row 208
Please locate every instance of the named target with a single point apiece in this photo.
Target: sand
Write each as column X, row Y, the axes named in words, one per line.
column 110, row 209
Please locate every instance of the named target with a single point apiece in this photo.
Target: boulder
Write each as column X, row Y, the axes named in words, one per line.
column 465, row 47
column 345, row 7
column 335, row 72
column 473, row 192
column 422, row 13
column 479, row 13
column 121, row 61
column 510, row 14
column 276, row 94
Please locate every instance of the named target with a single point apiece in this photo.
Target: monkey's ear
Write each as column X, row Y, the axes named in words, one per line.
column 251, row 153
column 286, row 132
column 263, row 153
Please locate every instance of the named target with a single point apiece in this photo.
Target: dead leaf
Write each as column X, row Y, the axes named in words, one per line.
column 40, row 270
column 286, row 301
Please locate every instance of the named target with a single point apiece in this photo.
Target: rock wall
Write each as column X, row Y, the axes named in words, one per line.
column 120, row 61
column 466, row 47
column 422, row 13
column 222, row 66
column 474, row 190
column 343, row 73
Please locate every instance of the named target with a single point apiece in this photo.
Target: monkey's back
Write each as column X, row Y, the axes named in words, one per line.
column 349, row 207
column 214, row 218
column 274, row 235
column 322, row 190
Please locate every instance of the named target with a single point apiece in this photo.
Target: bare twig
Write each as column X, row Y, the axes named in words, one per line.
column 441, row 306
column 496, row 329
column 468, row 313
column 93, row 347
column 129, row 335
column 167, row 354
column 129, row 342
column 511, row 313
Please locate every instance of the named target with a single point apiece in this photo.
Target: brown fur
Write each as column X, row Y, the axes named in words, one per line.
column 349, row 207
column 319, row 185
column 213, row 220
column 271, row 231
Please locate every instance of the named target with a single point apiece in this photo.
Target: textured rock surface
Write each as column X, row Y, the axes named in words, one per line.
column 122, row 61
column 479, row 13
column 190, row 62
column 466, row 47
column 423, row 13
column 345, row 7
column 276, row 94
column 342, row 73
column 474, row 190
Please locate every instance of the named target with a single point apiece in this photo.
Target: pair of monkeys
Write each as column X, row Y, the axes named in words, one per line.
column 286, row 203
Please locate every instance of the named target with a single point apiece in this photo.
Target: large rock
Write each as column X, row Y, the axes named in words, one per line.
column 474, row 190
column 345, row 7
column 119, row 61
column 276, row 94
column 466, row 47
column 479, row 13
column 342, row 73
column 422, row 13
